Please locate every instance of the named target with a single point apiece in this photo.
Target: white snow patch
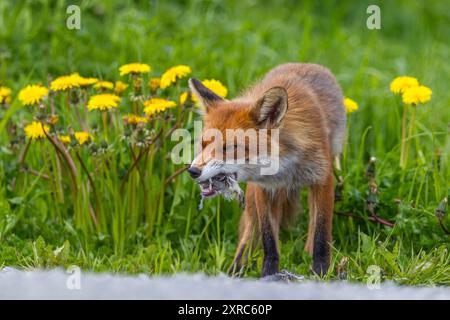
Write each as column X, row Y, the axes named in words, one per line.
column 52, row 284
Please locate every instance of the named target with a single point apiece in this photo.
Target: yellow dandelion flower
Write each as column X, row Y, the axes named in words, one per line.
column 84, row 82
column 5, row 94
column 120, row 87
column 156, row 105
column 104, row 101
column 66, row 82
column 183, row 97
column 172, row 74
column 350, row 105
column 416, row 95
column 215, row 86
column 32, row 94
column 154, row 83
column 134, row 68
column 400, row 84
column 134, row 119
column 82, row 137
column 104, row 85
column 35, row 130
column 64, row 139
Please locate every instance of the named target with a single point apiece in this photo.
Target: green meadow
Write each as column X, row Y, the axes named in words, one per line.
column 117, row 203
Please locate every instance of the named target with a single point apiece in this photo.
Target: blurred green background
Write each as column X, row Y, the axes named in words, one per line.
column 236, row 42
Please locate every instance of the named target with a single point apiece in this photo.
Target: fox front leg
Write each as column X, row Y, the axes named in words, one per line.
column 248, row 233
column 323, row 201
column 269, row 232
column 237, row 266
column 270, row 248
column 271, row 255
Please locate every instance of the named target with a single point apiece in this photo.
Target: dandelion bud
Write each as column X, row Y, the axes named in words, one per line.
column 94, row 128
column 437, row 157
column 370, row 171
column 93, row 149
column 98, row 150
column 339, row 189
column 137, row 84
column 441, row 210
column 127, row 131
column 53, row 119
column 41, row 116
column 372, row 199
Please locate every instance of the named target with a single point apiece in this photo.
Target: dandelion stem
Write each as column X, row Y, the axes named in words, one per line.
column 410, row 134
column 85, row 96
column 67, row 158
column 105, row 125
column 141, row 179
column 140, row 155
column 35, row 173
column 52, row 181
column 174, row 175
column 24, row 153
column 59, row 178
column 403, row 142
column 370, row 218
column 68, row 100
column 80, row 120
column 94, row 190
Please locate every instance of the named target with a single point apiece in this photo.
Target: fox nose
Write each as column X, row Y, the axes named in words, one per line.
column 194, row 172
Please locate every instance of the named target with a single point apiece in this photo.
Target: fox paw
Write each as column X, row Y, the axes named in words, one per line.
column 320, row 268
column 284, row 276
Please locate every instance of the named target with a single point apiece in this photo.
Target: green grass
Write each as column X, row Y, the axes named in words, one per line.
column 154, row 228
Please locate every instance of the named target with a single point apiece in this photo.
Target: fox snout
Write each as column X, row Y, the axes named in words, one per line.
column 194, row 172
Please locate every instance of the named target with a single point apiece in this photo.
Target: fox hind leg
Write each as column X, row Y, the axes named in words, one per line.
column 309, row 245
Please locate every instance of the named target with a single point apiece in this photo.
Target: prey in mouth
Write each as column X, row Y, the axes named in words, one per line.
column 221, row 184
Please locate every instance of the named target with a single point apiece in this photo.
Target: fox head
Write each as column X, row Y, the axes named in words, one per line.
column 239, row 137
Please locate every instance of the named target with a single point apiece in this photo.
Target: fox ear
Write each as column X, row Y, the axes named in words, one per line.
column 271, row 108
column 206, row 97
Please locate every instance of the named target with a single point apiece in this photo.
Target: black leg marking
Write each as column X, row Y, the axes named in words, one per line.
column 271, row 258
column 321, row 252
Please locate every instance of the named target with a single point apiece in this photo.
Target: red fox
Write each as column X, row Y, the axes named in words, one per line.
column 305, row 104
